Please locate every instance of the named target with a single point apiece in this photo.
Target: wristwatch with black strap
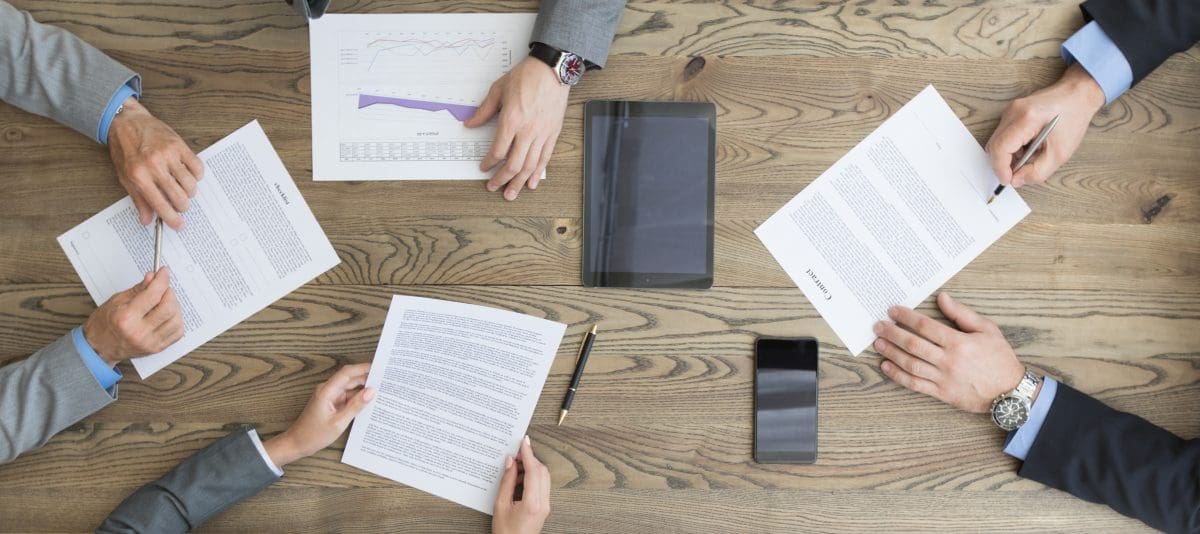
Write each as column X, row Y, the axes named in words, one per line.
column 568, row 66
column 1011, row 410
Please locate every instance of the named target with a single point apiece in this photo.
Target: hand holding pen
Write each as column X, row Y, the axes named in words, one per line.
column 1029, row 152
column 1076, row 97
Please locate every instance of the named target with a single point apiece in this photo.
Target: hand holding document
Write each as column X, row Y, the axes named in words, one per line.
column 456, row 386
column 249, row 239
column 892, row 220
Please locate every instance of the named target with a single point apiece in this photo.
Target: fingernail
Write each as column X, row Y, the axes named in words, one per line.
column 491, row 187
column 533, row 184
column 507, row 462
column 886, row 365
column 878, row 344
column 878, row 328
column 510, row 195
column 527, row 439
column 892, row 311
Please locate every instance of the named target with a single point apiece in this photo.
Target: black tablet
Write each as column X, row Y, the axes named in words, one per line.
column 649, row 180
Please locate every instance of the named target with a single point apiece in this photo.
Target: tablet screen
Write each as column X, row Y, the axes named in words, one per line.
column 649, row 187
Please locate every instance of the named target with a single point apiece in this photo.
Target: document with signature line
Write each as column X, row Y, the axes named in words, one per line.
column 892, row 220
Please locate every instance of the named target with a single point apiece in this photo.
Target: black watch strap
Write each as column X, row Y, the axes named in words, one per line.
column 546, row 53
column 549, row 55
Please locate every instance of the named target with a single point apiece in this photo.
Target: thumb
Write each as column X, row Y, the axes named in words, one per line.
column 355, row 406
column 966, row 318
column 486, row 110
column 508, row 483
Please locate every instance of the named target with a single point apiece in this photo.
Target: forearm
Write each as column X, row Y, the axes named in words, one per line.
column 582, row 27
column 44, row 394
column 1147, row 31
column 202, row 486
column 1102, row 455
column 50, row 72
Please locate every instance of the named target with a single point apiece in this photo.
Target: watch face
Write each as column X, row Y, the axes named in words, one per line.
column 570, row 69
column 1010, row 413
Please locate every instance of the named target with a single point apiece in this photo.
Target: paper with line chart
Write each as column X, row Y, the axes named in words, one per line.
column 390, row 92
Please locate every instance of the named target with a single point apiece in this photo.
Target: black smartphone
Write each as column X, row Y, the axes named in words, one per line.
column 785, row 400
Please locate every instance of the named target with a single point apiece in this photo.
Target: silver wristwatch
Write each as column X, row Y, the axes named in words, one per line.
column 1011, row 409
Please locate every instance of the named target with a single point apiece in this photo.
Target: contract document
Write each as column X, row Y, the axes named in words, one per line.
column 892, row 220
column 390, row 92
column 456, row 385
column 248, row 239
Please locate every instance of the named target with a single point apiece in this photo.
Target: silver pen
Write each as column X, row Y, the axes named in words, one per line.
column 1029, row 152
column 157, row 245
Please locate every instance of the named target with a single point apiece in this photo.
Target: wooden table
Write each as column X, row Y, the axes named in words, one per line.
column 1100, row 284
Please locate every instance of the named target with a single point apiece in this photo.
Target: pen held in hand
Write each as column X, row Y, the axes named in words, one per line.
column 1029, row 152
column 158, row 230
column 580, row 361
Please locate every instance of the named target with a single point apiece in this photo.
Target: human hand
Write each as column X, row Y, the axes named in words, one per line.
column 333, row 405
column 966, row 368
column 141, row 320
column 154, row 164
column 531, row 103
column 1076, row 96
column 527, row 515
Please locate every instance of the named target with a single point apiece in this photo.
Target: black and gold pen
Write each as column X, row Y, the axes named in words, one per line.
column 580, row 362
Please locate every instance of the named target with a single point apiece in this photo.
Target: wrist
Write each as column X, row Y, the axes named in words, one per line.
column 545, row 73
column 131, row 108
column 97, row 344
column 282, row 450
column 1080, row 83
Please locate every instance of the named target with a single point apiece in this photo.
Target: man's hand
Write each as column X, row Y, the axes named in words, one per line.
column 142, row 320
column 966, row 368
column 1076, row 96
column 527, row 515
column 154, row 164
column 531, row 103
column 333, row 405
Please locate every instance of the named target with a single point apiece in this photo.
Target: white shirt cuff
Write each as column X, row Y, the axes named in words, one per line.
column 263, row 451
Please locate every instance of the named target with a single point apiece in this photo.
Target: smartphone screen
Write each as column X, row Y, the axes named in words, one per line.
column 785, row 401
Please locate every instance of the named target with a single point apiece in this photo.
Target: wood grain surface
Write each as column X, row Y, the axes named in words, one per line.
column 1100, row 285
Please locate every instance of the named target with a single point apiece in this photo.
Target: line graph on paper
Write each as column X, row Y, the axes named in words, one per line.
column 408, row 52
column 405, row 95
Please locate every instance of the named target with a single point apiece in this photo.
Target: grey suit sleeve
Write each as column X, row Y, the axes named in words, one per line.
column 48, row 71
column 44, row 394
column 583, row 27
column 204, row 485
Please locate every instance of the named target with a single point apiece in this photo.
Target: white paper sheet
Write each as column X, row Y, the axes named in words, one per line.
column 390, row 92
column 248, row 239
column 892, row 220
column 456, row 386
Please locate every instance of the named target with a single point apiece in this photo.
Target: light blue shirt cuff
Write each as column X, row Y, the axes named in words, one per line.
column 107, row 376
column 1099, row 55
column 114, row 104
column 1020, row 441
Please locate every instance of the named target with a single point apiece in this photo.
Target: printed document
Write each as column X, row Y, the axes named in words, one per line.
column 456, row 385
column 891, row 221
column 248, row 240
column 390, row 92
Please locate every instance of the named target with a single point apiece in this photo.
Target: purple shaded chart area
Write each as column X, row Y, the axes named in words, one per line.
column 459, row 111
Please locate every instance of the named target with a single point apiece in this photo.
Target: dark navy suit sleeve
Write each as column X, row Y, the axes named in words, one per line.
column 1110, row 457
